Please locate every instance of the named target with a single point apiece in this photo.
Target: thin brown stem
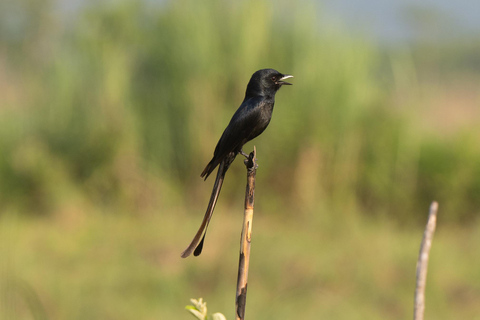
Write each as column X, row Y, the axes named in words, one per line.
column 422, row 264
column 245, row 240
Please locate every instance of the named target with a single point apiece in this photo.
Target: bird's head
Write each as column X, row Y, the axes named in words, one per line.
column 267, row 82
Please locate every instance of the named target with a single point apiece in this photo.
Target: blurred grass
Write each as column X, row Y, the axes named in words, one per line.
column 108, row 117
column 128, row 99
column 121, row 267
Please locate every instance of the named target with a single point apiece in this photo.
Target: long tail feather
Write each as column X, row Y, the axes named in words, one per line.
column 196, row 242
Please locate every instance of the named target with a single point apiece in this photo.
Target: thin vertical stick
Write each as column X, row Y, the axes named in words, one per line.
column 422, row 264
column 244, row 261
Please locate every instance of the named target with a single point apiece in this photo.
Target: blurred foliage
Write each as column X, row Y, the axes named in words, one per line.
column 117, row 106
column 124, row 267
column 120, row 106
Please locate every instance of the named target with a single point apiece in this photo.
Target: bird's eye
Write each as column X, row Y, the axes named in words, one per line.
column 274, row 78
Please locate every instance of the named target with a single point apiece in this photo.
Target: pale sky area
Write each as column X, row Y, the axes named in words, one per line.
column 388, row 21
column 391, row 20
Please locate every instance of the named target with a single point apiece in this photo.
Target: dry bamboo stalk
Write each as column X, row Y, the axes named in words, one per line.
column 422, row 263
column 244, row 260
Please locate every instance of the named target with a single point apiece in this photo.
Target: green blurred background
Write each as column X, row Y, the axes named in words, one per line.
column 109, row 112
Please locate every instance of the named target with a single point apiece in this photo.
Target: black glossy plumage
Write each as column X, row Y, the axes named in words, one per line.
column 250, row 120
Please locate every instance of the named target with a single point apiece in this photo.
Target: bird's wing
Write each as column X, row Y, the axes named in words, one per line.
column 237, row 133
column 240, row 127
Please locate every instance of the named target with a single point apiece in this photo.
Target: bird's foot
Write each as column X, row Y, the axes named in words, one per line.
column 244, row 154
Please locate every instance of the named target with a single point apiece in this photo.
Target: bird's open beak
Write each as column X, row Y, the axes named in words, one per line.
column 285, row 76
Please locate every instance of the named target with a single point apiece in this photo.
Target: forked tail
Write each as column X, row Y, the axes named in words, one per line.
column 196, row 243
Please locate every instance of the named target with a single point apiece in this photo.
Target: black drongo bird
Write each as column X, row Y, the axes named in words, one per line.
column 250, row 120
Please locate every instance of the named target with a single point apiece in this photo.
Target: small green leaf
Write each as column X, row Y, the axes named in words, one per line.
column 196, row 313
column 218, row 316
column 199, row 308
